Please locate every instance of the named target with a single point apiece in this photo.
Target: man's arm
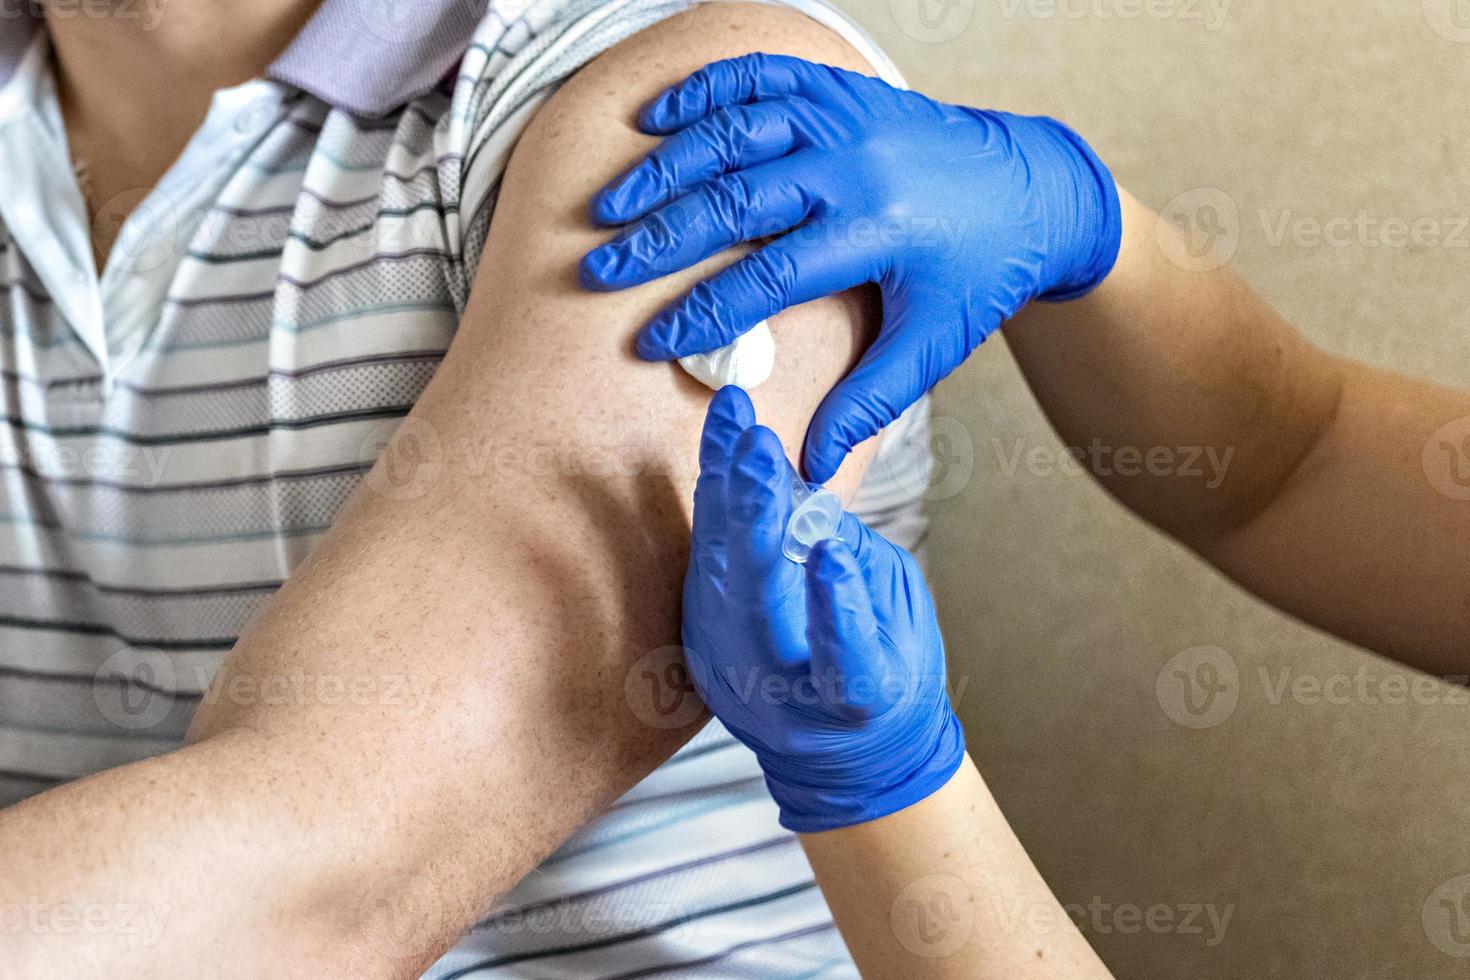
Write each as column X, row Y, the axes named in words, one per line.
column 534, row 558
column 1313, row 490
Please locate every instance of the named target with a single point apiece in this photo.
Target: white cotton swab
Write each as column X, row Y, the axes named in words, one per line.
column 747, row 362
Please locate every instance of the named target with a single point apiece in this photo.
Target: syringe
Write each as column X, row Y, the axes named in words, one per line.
column 816, row 514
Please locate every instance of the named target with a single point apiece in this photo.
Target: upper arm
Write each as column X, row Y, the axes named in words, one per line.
column 538, row 550
column 1367, row 538
column 529, row 318
column 581, row 456
column 1325, row 487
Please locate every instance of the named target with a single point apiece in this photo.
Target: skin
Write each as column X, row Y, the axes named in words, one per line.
column 135, row 85
column 516, row 597
column 1326, row 510
column 943, row 890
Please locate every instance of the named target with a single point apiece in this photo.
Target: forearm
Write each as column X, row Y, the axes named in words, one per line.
column 943, row 889
column 151, row 869
column 1301, row 475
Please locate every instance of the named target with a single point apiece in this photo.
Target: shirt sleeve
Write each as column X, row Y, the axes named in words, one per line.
column 518, row 57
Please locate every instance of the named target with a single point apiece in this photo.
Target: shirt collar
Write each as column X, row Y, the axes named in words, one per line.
column 17, row 26
column 366, row 57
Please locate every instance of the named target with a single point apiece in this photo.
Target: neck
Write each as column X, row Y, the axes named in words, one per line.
column 142, row 73
column 136, row 83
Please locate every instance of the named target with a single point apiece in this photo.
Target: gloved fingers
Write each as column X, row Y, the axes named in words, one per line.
column 730, row 413
column 734, row 81
column 791, row 270
column 754, row 203
column 882, row 562
column 857, row 536
column 851, row 668
column 732, row 138
column 758, row 506
column 893, row 373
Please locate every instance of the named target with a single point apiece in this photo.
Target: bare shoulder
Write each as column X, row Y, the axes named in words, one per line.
column 586, row 133
column 527, row 298
column 647, row 61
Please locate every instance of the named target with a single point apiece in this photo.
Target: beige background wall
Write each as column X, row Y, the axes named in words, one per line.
column 1324, row 828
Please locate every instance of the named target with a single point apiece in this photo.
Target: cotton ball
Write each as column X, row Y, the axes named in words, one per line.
column 747, row 362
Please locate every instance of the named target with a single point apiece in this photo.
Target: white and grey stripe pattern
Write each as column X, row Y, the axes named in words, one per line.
column 150, row 506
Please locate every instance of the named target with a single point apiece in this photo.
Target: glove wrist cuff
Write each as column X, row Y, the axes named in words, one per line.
column 1092, row 231
column 815, row 805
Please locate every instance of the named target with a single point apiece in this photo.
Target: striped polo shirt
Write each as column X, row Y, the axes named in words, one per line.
column 180, row 430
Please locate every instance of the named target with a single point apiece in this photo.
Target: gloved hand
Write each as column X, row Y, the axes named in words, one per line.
column 831, row 672
column 960, row 215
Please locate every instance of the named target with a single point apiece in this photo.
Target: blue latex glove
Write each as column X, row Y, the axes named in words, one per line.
column 960, row 215
column 832, row 672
